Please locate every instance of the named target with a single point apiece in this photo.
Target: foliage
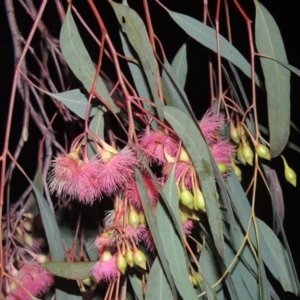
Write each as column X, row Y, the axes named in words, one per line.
column 134, row 197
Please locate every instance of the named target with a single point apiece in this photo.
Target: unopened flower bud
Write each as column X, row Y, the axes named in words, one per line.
column 263, row 151
column 237, row 172
column 105, row 256
column 192, row 280
column 139, row 258
column 133, row 218
column 121, row 263
column 28, row 225
column 87, row 281
column 183, row 155
column 241, row 131
column 129, row 257
column 142, row 218
column 186, row 197
column 234, row 133
column 222, row 167
column 42, row 258
column 239, row 154
column 198, row 278
column 199, row 203
column 248, row 154
column 28, row 240
column 289, row 173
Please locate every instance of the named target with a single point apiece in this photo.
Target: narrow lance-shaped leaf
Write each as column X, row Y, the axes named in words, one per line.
column 137, row 35
column 80, row 62
column 180, row 65
column 157, row 285
column 151, row 220
column 277, row 78
column 172, row 242
column 80, row 270
column 206, row 36
column 197, row 149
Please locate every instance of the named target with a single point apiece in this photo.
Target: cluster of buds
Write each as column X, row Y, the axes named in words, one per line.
column 245, row 153
column 27, row 277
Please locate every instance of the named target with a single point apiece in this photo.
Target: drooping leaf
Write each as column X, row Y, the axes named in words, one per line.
column 151, row 220
column 136, row 284
column 277, row 78
column 206, row 36
column 80, row 62
column 173, row 92
column 96, row 126
column 38, row 182
column 172, row 243
column 75, row 101
column 138, row 76
column 78, row 270
column 211, row 273
column 157, row 285
column 197, row 149
column 281, row 259
column 180, row 66
column 137, row 35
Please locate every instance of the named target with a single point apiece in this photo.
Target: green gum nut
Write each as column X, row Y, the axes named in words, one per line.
column 234, row 135
column 199, row 203
column 239, row 155
column 129, row 257
column 133, row 218
column 187, row 198
column 222, row 167
column 262, row 151
column 121, row 263
column 237, row 172
column 289, row 173
column 139, row 258
column 248, row 154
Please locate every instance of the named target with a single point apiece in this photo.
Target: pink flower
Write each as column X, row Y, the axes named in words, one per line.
column 35, row 279
column 183, row 172
column 116, row 171
column 222, row 152
column 187, row 226
column 210, row 125
column 155, row 143
column 133, row 194
column 74, row 177
column 105, row 270
column 144, row 235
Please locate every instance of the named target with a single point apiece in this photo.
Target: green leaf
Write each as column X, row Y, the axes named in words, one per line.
column 79, row 61
column 38, row 182
column 75, row 101
column 173, row 92
column 180, row 66
column 172, row 243
column 277, row 78
column 197, row 149
column 280, row 257
column 75, row 271
column 206, row 36
column 137, row 35
column 136, row 284
column 64, row 223
column 96, row 126
column 151, row 220
column 138, row 76
column 157, row 285
column 211, row 273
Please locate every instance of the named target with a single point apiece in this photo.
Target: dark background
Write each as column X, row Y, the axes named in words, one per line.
column 197, row 87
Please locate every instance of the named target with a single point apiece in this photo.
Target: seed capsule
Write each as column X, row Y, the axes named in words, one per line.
column 289, row 173
column 263, row 151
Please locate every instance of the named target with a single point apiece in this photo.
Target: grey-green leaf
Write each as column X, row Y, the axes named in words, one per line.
column 277, row 78
column 180, row 65
column 96, row 126
column 75, row 101
column 157, row 285
column 198, row 151
column 136, row 284
column 137, row 35
column 172, row 243
column 206, row 36
column 79, row 270
column 80, row 62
